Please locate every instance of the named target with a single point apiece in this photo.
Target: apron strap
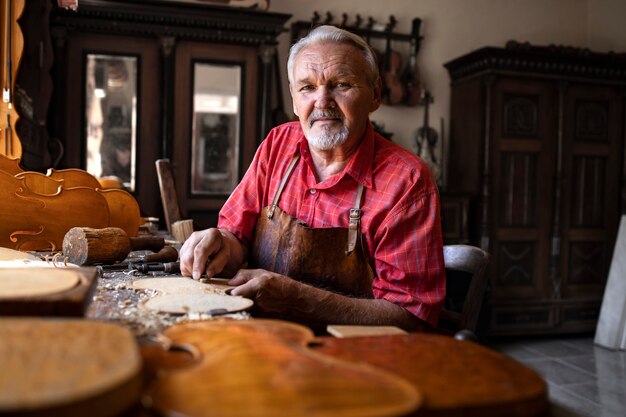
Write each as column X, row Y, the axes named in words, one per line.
column 283, row 181
column 355, row 220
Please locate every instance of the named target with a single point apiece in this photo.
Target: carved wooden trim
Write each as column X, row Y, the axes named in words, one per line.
column 544, row 61
column 181, row 20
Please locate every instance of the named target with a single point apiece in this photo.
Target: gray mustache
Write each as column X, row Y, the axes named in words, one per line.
column 319, row 114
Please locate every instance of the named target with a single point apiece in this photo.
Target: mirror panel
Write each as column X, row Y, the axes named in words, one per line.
column 216, row 129
column 111, row 117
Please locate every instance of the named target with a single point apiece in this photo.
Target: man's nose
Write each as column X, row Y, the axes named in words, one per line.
column 325, row 98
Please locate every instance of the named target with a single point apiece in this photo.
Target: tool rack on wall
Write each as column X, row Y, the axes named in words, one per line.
column 404, row 82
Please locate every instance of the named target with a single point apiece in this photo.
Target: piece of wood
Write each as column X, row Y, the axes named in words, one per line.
column 15, row 283
column 90, row 246
column 67, row 368
column 184, row 303
column 182, row 229
column 71, row 301
column 457, row 378
column 354, row 331
column 261, row 368
column 7, row 254
column 181, row 285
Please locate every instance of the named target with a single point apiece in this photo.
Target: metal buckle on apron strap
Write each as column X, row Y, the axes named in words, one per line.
column 270, row 211
column 353, row 228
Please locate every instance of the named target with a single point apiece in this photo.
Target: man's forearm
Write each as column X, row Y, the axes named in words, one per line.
column 308, row 303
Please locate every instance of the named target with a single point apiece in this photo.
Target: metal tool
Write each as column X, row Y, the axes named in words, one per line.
column 168, row 267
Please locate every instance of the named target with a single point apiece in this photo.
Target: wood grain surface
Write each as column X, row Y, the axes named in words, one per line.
column 67, row 368
column 264, row 368
column 64, row 301
column 457, row 378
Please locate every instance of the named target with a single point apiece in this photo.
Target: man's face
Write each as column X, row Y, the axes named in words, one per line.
column 332, row 94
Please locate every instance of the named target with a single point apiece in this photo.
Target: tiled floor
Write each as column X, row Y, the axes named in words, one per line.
column 583, row 380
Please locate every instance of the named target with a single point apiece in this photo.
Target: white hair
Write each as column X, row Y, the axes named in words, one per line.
column 328, row 33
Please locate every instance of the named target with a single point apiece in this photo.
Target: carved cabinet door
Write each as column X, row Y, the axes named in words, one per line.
column 524, row 169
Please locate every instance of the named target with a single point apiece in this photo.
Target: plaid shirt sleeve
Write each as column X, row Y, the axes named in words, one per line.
column 409, row 258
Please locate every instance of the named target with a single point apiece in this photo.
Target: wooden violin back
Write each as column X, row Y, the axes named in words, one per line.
column 39, row 221
column 39, row 209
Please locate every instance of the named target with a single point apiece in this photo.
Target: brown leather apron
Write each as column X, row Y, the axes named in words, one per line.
column 330, row 258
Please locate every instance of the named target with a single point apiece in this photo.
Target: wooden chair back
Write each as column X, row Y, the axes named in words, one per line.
column 466, row 284
column 169, row 197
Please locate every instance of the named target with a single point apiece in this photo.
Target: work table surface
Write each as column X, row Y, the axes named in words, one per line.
column 455, row 377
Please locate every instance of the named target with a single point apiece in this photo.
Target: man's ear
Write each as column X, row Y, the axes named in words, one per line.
column 293, row 101
column 378, row 88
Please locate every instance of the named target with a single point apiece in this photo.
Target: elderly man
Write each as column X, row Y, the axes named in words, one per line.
column 335, row 223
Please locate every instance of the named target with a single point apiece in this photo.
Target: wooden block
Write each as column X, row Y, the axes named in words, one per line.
column 182, row 229
column 355, row 331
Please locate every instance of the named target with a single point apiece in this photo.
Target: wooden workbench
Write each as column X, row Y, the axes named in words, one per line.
column 434, row 375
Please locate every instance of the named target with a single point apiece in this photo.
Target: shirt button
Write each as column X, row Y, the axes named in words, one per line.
column 312, row 190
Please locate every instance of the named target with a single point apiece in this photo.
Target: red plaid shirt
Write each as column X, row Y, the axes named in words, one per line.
column 400, row 210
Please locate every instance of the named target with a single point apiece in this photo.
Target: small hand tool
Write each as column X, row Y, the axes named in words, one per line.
column 168, row 267
column 167, row 254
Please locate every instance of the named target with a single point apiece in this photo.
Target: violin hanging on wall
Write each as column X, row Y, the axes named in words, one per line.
column 12, row 48
column 393, row 88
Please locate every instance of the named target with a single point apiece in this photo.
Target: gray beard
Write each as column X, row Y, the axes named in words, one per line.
column 326, row 140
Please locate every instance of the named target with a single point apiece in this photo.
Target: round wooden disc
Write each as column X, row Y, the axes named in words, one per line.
column 7, row 254
column 197, row 303
column 35, row 282
column 67, row 368
column 179, row 285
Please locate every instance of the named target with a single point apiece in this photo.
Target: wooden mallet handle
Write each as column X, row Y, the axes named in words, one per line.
column 88, row 246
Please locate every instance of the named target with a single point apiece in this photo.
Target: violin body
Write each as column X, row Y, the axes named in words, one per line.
column 39, row 220
column 263, row 368
column 39, row 209
column 393, row 86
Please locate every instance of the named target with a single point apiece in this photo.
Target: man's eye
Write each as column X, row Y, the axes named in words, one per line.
column 343, row 85
column 306, row 88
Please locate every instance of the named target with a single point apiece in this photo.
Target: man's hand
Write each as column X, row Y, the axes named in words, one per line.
column 211, row 251
column 271, row 292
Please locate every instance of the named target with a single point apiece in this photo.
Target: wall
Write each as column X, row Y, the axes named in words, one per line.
column 452, row 28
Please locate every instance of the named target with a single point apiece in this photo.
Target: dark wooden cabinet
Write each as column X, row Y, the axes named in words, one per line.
column 168, row 43
column 537, row 141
